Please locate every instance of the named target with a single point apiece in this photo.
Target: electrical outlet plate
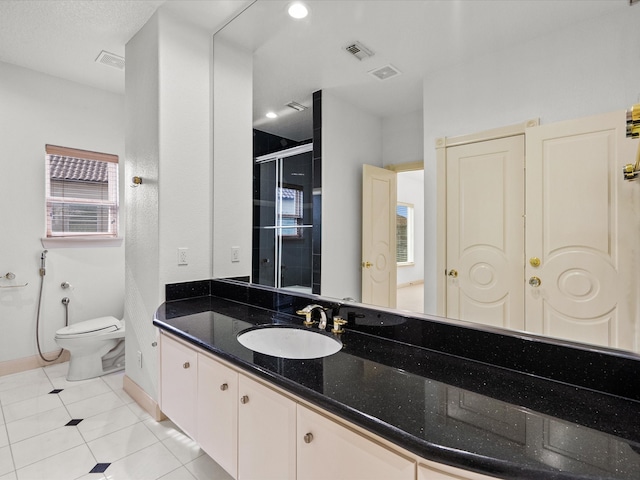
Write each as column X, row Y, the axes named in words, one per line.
column 139, row 359
column 182, row 256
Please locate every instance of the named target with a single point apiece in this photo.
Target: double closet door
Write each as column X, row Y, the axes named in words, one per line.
column 540, row 230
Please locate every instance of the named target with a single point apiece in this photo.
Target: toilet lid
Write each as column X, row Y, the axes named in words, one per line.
column 101, row 324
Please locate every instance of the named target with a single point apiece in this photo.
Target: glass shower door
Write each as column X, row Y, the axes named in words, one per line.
column 283, row 219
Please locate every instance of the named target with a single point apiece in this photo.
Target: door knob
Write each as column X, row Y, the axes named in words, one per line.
column 535, row 282
column 534, row 261
column 453, row 273
column 367, row 264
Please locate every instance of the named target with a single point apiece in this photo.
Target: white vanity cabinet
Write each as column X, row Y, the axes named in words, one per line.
column 257, row 433
column 217, row 412
column 179, row 384
column 327, row 449
column 266, row 433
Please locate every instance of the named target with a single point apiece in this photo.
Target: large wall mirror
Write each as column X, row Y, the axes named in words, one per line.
column 397, row 75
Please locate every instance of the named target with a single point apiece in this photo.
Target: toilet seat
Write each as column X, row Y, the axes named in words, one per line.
column 88, row 328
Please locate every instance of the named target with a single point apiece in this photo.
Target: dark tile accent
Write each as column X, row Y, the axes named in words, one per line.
column 56, row 390
column 178, row 291
column 73, row 422
column 100, row 468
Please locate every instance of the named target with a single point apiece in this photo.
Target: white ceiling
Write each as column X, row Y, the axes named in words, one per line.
column 293, row 58
column 64, row 37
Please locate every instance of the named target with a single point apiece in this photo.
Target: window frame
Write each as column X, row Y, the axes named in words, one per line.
column 112, row 203
column 410, row 235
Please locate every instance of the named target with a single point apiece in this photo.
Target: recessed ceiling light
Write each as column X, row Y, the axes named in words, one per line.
column 271, row 115
column 298, row 10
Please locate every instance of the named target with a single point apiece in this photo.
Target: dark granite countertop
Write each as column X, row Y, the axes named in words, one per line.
column 465, row 412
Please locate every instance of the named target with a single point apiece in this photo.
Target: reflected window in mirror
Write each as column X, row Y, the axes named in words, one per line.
column 291, row 200
column 404, row 234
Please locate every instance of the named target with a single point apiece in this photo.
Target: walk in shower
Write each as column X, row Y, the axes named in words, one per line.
column 283, row 219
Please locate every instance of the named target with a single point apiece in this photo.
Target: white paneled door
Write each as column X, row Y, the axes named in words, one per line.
column 379, row 268
column 559, row 259
column 485, row 232
column 580, row 216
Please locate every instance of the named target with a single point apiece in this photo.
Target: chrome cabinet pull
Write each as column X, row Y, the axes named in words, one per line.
column 244, row 399
column 186, row 365
column 224, row 387
column 308, row 438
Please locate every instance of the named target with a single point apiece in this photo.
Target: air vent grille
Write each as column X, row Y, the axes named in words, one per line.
column 111, row 60
column 359, row 51
column 296, row 106
column 385, row 73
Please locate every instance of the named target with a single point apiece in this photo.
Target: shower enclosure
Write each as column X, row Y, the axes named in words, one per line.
column 283, row 219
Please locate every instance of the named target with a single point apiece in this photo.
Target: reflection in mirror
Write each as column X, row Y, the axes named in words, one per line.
column 464, row 67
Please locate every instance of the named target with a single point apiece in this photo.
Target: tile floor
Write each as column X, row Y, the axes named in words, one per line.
column 54, row 429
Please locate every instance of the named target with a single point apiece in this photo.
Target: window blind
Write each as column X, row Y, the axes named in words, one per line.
column 81, row 193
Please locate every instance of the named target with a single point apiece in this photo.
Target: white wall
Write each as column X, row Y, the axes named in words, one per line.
column 584, row 70
column 402, row 138
column 168, row 144
column 233, row 154
column 38, row 109
column 411, row 190
column 350, row 138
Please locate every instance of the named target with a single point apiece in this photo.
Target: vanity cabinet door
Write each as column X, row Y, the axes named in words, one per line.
column 179, row 383
column 437, row 471
column 327, row 449
column 266, row 433
column 217, row 412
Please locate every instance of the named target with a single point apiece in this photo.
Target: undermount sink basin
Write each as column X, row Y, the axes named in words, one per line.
column 288, row 341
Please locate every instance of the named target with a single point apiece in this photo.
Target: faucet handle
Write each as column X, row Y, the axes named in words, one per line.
column 338, row 322
column 307, row 315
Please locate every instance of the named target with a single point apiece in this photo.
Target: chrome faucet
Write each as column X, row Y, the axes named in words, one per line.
column 308, row 311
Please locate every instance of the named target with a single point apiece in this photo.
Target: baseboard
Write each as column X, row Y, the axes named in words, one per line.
column 29, row 363
column 411, row 284
column 142, row 398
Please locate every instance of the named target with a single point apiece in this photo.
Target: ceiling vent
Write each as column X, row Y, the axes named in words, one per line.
column 298, row 107
column 386, row 72
column 111, row 60
column 359, row 51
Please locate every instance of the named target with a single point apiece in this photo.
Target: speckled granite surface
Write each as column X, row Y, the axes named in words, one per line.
column 474, row 398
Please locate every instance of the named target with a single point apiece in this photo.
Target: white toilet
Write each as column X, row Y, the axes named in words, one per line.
column 96, row 347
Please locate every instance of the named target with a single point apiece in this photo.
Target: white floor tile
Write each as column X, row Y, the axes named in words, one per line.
column 138, row 411
column 150, row 463
column 87, row 389
column 6, row 461
column 37, row 424
column 178, row 474
column 31, row 406
column 90, row 476
column 117, row 445
column 22, row 379
column 124, row 396
column 114, row 380
column 46, row 445
column 4, row 438
column 94, row 405
column 39, row 386
column 1, row 417
column 163, row 429
column 56, row 370
column 204, row 468
column 107, row 422
column 185, row 449
column 71, row 464
column 9, row 476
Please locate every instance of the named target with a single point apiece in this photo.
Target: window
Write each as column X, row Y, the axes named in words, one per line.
column 404, row 233
column 81, row 193
column 290, row 199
